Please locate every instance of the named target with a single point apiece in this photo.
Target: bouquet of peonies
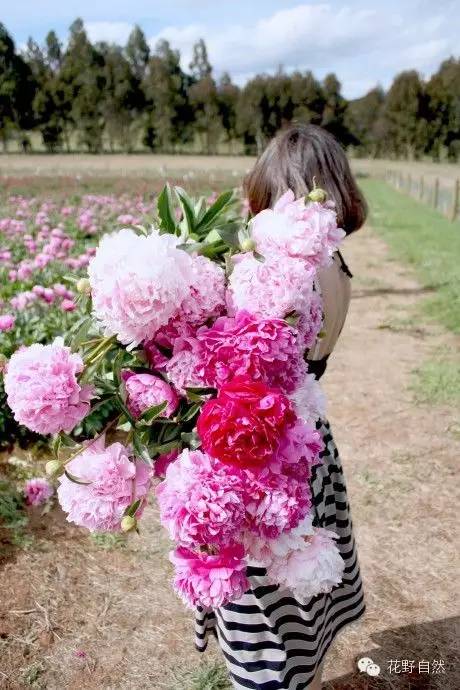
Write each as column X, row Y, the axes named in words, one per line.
column 205, row 323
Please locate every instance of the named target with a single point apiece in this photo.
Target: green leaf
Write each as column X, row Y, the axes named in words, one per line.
column 165, row 208
column 187, row 207
column 75, row 479
column 214, row 211
column 151, row 414
column 165, row 447
column 117, row 366
column 132, row 509
column 191, row 412
column 122, row 407
column 80, row 333
column 141, row 449
column 229, row 234
column 292, row 318
column 56, row 446
column 259, row 257
column 191, row 439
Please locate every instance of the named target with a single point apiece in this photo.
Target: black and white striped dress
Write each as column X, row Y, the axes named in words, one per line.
column 270, row 641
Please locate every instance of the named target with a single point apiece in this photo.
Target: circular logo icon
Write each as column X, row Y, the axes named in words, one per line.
column 366, row 665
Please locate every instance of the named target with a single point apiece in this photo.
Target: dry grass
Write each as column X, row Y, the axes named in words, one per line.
column 77, row 615
column 164, row 165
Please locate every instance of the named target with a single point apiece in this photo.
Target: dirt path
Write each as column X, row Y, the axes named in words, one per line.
column 76, row 616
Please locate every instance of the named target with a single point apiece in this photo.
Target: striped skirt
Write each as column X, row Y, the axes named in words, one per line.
column 269, row 640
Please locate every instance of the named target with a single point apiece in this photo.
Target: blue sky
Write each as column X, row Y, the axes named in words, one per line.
column 364, row 43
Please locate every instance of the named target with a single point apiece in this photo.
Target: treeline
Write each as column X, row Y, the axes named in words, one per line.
column 102, row 96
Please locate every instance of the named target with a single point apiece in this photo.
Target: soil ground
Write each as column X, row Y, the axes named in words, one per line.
column 74, row 615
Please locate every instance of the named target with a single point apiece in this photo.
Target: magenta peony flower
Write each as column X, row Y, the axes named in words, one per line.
column 299, row 450
column 7, row 322
column 263, row 349
column 138, row 283
column 42, row 388
column 114, row 482
column 144, row 391
column 163, row 461
column 244, row 425
column 208, row 580
column 37, row 491
column 299, row 230
column 201, row 500
column 272, row 288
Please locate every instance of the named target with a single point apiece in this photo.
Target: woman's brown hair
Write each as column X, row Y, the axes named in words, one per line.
column 293, row 159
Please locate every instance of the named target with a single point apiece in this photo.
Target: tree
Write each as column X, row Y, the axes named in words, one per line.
column 17, row 90
column 363, row 119
column 82, row 74
column 227, row 98
column 403, row 116
column 335, row 106
column 204, row 99
column 169, row 115
column 443, row 94
column 137, row 52
column 122, row 98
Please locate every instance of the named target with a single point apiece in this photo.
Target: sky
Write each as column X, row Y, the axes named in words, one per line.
column 364, row 43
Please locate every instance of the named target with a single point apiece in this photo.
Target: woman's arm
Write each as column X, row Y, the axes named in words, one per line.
column 336, row 292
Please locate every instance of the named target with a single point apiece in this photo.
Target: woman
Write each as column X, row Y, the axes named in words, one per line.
column 269, row 640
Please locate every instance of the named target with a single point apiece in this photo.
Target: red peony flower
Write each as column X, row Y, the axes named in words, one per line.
column 244, row 425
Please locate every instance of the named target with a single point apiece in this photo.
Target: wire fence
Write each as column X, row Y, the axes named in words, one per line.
column 438, row 193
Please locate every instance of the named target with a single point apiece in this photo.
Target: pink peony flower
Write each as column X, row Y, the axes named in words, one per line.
column 37, row 491
column 201, row 500
column 138, row 283
column 311, row 322
column 206, row 298
column 304, row 560
column 68, row 305
column 114, row 482
column 262, row 349
column 42, row 388
column 272, row 288
column 183, row 367
column 144, row 391
column 7, row 322
column 306, row 231
column 209, row 580
column 275, row 503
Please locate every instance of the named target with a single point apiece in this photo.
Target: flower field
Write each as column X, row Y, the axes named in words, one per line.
column 46, row 244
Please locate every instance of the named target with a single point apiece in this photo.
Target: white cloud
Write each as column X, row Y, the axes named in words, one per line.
column 362, row 45
column 111, row 32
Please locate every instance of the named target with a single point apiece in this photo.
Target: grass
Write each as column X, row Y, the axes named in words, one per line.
column 437, row 381
column 424, row 239
column 210, row 676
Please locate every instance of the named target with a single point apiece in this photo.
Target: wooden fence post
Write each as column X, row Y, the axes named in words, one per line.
column 422, row 187
column 436, row 193
column 409, row 184
column 456, row 200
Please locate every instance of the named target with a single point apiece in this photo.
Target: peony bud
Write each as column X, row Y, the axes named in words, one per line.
column 84, row 286
column 248, row 244
column 128, row 523
column 317, row 194
column 53, row 467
